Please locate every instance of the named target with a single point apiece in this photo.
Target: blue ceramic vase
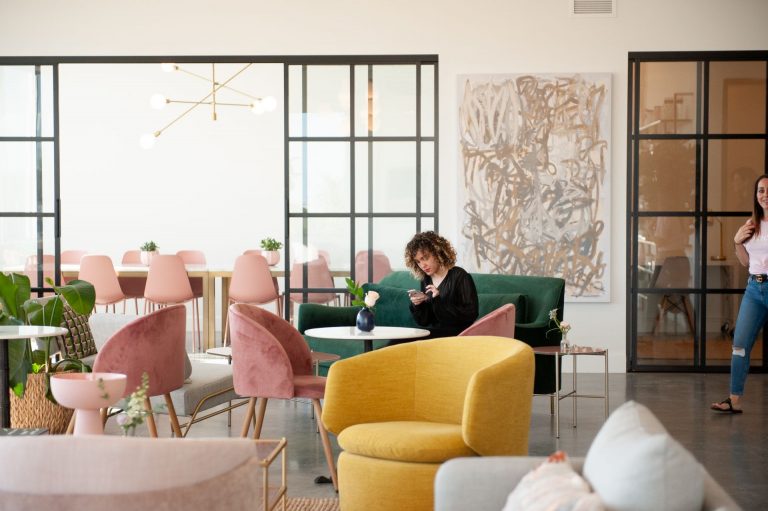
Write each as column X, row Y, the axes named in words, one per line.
column 365, row 320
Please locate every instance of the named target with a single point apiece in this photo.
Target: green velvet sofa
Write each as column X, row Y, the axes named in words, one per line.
column 533, row 298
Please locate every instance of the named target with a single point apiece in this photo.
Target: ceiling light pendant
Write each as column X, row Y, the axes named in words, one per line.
column 257, row 104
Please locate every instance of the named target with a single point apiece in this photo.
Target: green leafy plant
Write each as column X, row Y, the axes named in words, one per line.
column 18, row 308
column 360, row 298
column 271, row 244
column 149, row 246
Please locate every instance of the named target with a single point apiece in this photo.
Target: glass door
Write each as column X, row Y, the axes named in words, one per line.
column 697, row 143
column 29, row 205
column 361, row 168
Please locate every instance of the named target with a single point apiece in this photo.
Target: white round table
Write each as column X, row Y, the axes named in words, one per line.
column 8, row 332
column 379, row 333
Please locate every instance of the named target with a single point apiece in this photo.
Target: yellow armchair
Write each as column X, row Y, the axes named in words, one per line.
column 400, row 412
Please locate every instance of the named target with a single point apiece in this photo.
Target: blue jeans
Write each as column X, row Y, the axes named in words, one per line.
column 752, row 315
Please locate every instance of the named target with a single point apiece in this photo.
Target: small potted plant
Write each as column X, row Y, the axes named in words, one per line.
column 270, row 247
column 148, row 250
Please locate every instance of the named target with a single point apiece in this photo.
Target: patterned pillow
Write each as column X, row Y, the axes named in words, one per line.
column 78, row 341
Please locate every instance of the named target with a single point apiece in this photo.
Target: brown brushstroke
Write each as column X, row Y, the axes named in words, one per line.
column 534, row 161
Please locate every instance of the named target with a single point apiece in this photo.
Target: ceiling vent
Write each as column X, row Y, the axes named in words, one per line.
column 592, row 8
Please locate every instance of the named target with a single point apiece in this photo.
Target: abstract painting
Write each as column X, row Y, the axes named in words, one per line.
column 535, row 178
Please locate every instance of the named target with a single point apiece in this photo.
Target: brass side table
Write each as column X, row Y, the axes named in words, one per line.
column 556, row 396
column 267, row 451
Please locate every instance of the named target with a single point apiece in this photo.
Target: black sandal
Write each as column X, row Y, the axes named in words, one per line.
column 727, row 402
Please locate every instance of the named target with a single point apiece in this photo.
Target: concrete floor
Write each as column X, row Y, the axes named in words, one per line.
column 731, row 447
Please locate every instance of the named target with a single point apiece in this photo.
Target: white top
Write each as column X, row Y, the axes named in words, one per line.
column 757, row 248
column 383, row 333
column 28, row 332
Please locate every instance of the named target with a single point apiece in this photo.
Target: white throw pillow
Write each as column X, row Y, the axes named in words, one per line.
column 633, row 464
column 553, row 485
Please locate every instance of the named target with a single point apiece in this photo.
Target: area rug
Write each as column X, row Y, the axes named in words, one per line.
column 307, row 504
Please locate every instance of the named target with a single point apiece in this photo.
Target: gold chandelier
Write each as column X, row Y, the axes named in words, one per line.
column 257, row 104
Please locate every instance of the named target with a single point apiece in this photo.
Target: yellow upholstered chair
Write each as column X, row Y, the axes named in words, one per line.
column 401, row 411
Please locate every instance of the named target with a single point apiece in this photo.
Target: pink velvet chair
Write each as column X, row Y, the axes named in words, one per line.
column 381, row 266
column 168, row 284
column 154, row 344
column 500, row 322
column 99, row 271
column 270, row 359
column 252, row 283
column 133, row 287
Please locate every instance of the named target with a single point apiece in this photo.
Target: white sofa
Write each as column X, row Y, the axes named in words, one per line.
column 125, row 474
column 633, row 464
column 483, row 484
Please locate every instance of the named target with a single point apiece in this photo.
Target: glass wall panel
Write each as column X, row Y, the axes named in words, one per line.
column 390, row 235
column 667, row 171
column 734, row 165
column 665, row 329
column 46, row 101
column 427, row 101
column 394, row 101
column 18, row 169
column 328, row 237
column 296, row 115
column 363, row 102
column 668, row 97
column 428, row 177
column 319, row 177
column 661, row 238
column 18, row 244
column 18, row 101
column 327, row 101
column 362, row 205
column 723, row 269
column 737, row 97
column 394, row 177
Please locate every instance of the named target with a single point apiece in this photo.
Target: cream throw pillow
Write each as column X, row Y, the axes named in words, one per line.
column 633, row 464
column 553, row 485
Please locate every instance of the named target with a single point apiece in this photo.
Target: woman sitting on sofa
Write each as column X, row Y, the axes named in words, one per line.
column 447, row 302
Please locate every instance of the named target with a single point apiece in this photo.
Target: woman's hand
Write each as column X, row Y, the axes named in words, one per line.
column 417, row 297
column 744, row 232
column 433, row 290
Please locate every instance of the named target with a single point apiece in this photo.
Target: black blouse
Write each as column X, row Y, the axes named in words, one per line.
column 453, row 310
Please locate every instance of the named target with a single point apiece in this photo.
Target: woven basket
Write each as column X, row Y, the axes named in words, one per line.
column 34, row 410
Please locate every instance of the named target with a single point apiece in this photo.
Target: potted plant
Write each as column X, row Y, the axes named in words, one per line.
column 148, row 250
column 32, row 367
column 270, row 247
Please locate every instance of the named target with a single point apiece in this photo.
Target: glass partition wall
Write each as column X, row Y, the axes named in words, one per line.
column 361, row 168
column 697, row 142
column 29, row 212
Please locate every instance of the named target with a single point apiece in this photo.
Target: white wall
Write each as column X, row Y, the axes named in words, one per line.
column 485, row 36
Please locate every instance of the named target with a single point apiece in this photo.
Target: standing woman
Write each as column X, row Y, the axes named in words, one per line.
column 752, row 251
column 446, row 304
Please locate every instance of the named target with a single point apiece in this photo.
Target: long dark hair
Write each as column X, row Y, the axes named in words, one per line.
column 757, row 210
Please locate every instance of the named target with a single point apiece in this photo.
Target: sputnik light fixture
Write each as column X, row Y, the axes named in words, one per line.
column 257, row 104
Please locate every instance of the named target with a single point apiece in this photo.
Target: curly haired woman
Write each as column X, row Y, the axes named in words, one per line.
column 447, row 301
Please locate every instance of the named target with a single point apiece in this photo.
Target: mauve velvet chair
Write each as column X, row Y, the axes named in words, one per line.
column 99, row 271
column 500, row 322
column 154, row 344
column 270, row 359
column 133, row 287
column 252, row 282
column 168, row 284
